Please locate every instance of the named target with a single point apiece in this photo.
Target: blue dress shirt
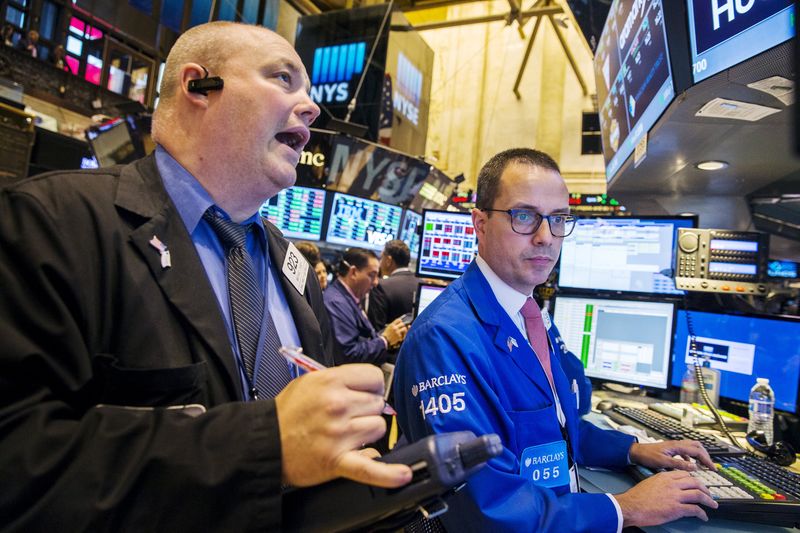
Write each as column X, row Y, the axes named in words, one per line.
column 191, row 201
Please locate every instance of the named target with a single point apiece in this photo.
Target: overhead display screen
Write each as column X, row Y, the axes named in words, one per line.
column 297, row 212
column 634, row 79
column 448, row 244
column 364, row 223
column 723, row 34
column 409, row 232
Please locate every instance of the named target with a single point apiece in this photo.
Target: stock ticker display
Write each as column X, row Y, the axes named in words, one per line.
column 360, row 222
column 297, row 212
column 448, row 244
column 634, row 79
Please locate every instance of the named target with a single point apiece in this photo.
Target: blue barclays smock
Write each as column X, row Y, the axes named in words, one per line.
column 465, row 365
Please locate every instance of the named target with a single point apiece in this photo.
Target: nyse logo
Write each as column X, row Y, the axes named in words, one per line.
column 409, row 88
column 731, row 8
column 334, row 67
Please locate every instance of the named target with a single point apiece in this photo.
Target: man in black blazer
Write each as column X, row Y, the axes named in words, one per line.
column 394, row 295
column 123, row 403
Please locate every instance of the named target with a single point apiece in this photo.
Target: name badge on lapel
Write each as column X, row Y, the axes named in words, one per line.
column 295, row 268
column 546, row 464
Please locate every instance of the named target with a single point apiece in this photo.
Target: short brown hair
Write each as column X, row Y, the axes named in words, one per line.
column 489, row 176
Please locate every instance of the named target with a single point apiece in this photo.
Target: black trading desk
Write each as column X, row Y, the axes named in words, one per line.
column 605, row 481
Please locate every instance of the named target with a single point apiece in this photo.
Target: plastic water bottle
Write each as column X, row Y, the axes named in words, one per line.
column 762, row 408
column 690, row 391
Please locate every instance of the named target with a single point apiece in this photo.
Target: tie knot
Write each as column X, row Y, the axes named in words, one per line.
column 530, row 310
column 231, row 234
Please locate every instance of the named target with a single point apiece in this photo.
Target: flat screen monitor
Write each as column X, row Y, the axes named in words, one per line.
column 634, row 77
column 356, row 221
column 627, row 254
column 426, row 294
column 624, row 341
column 112, row 143
column 742, row 348
column 409, row 231
column 723, row 34
column 447, row 244
column 297, row 212
column 778, row 269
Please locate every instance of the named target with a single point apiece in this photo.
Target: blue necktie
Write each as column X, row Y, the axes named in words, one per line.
column 247, row 305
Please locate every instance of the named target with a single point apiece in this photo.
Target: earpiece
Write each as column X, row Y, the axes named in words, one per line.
column 780, row 452
column 205, row 84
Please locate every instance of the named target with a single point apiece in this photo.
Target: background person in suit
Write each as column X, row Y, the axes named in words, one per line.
column 124, row 400
column 359, row 341
column 394, row 295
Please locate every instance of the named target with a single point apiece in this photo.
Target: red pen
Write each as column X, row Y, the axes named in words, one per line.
column 304, row 362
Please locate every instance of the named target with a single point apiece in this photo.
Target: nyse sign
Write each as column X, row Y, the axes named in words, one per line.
column 718, row 20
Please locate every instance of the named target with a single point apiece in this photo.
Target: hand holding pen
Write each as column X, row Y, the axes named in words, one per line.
column 304, row 363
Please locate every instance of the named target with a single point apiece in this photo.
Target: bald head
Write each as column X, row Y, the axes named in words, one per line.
column 209, row 45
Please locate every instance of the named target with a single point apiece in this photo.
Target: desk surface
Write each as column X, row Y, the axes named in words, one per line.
column 594, row 480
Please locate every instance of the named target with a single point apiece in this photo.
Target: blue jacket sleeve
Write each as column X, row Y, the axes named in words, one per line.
column 437, row 362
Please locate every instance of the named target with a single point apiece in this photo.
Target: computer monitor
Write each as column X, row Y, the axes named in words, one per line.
column 624, row 341
column 112, row 143
column 626, row 254
column 409, row 231
column 742, row 348
column 426, row 293
column 297, row 212
column 778, row 269
column 356, row 221
column 448, row 244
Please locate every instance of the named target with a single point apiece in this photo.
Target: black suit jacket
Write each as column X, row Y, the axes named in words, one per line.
column 98, row 340
column 392, row 298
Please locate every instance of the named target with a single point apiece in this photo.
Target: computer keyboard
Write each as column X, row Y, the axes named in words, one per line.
column 701, row 415
column 749, row 489
column 664, row 427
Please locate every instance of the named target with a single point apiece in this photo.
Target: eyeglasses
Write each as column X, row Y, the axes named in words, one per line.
column 527, row 222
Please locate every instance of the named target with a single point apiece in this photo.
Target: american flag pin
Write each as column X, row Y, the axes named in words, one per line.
column 511, row 342
column 163, row 251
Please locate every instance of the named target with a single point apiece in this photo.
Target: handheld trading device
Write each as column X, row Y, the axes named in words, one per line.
column 439, row 463
column 712, row 260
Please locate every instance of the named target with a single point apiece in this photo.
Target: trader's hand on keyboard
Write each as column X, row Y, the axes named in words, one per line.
column 663, row 498
column 672, row 454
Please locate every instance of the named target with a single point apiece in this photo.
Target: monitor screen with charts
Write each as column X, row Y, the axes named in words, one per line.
column 448, row 244
column 297, row 212
column 356, row 221
column 624, row 341
column 626, row 254
column 409, row 231
column 425, row 295
column 742, row 348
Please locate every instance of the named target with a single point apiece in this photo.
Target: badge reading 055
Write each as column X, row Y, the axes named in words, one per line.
column 546, row 464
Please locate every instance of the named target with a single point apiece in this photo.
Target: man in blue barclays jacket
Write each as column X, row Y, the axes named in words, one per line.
column 359, row 342
column 482, row 357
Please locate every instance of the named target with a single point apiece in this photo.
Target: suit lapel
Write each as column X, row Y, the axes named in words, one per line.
column 185, row 284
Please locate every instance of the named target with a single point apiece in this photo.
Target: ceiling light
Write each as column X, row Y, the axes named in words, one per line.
column 711, row 165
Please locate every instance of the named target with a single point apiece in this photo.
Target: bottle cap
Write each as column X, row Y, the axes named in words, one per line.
column 765, row 381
